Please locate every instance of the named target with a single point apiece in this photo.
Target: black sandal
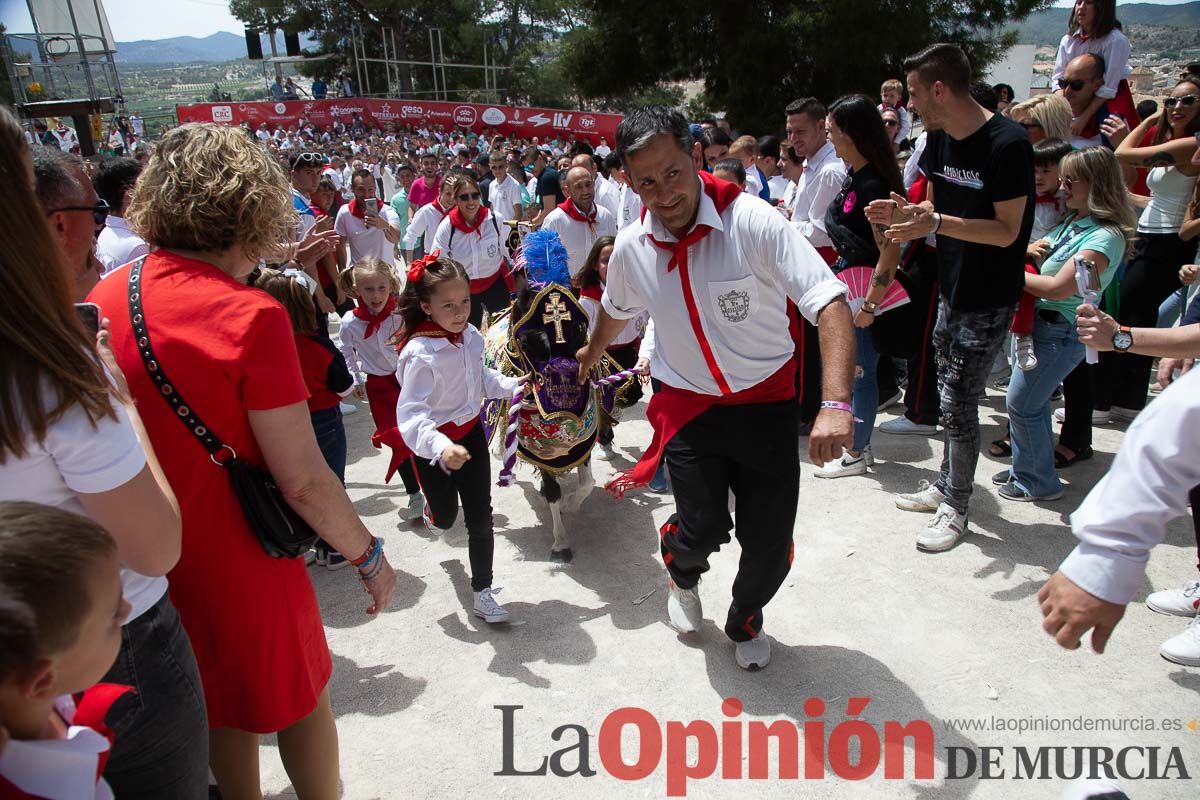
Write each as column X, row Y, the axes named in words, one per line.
column 1001, row 448
column 1062, row 462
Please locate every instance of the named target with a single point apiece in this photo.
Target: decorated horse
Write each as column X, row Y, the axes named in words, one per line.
column 555, row 426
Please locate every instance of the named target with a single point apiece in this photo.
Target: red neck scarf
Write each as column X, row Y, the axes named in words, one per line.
column 1048, row 197
column 456, row 219
column 374, row 321
column 595, row 291
column 437, row 203
column 722, row 193
column 571, row 210
column 357, row 209
column 434, row 331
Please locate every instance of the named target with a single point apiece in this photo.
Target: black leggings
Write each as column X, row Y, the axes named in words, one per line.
column 472, row 485
column 1150, row 277
column 494, row 298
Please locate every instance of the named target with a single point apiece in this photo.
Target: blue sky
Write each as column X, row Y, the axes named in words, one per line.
column 145, row 19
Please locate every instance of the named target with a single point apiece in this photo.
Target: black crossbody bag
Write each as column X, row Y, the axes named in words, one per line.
column 280, row 530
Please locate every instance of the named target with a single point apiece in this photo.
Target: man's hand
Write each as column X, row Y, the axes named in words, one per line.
column 1069, row 612
column 1095, row 328
column 316, row 245
column 905, row 220
column 1077, row 125
column 1115, row 128
column 1188, row 274
column 587, row 360
column 832, row 431
column 324, row 304
column 1167, row 367
column 375, row 221
column 862, row 319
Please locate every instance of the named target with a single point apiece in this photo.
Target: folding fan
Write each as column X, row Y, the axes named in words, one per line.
column 858, row 281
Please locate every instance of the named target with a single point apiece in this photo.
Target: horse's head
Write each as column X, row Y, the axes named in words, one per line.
column 549, row 327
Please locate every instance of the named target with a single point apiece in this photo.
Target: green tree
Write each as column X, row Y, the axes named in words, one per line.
column 756, row 57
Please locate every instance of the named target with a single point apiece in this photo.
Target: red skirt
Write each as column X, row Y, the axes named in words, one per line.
column 383, row 392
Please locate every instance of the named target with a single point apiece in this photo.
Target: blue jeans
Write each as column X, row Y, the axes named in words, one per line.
column 161, row 747
column 331, row 438
column 866, row 387
column 1058, row 353
column 965, row 344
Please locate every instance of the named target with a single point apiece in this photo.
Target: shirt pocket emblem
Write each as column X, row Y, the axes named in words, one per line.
column 492, row 251
column 734, row 300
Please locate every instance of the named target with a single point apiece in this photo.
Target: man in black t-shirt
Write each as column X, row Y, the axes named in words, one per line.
column 980, row 207
column 549, row 188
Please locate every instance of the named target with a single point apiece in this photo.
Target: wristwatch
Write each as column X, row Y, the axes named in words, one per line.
column 1123, row 339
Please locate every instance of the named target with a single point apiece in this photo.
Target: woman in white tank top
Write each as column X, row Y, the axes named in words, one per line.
column 1152, row 271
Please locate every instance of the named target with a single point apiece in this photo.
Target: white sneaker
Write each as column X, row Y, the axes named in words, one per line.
column 947, row 528
column 905, row 426
column 310, row 558
column 347, row 409
column 1123, row 414
column 846, row 465
column 1026, row 360
column 888, row 402
column 602, row 451
column 427, row 515
column 1098, row 417
column 416, row 507
column 684, row 608
column 753, row 654
column 487, row 607
column 927, row 497
column 1184, row 648
column 1179, row 602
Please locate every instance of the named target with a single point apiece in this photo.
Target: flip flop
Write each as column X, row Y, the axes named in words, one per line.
column 1001, row 448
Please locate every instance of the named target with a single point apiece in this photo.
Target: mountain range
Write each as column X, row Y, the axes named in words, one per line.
column 220, row 46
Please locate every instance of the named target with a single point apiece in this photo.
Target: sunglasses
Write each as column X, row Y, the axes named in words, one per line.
column 1075, row 85
column 1187, row 101
column 1066, row 183
column 467, row 196
column 309, row 158
column 100, row 209
column 1028, row 125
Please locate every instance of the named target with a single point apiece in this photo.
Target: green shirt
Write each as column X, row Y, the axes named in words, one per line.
column 1074, row 236
column 400, row 206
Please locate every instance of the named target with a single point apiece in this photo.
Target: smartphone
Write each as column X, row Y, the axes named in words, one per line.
column 89, row 314
column 373, row 206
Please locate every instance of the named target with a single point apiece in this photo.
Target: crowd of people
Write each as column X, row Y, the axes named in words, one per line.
column 769, row 288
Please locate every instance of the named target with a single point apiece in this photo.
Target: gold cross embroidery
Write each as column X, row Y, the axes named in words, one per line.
column 557, row 314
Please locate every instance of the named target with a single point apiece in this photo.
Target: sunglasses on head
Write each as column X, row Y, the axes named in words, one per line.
column 1187, row 101
column 1075, row 85
column 309, row 158
column 467, row 196
column 1028, row 125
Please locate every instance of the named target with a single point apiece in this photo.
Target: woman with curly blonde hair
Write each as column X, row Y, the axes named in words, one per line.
column 211, row 202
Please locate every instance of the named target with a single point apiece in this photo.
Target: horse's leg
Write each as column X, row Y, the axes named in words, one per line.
column 586, row 484
column 552, row 492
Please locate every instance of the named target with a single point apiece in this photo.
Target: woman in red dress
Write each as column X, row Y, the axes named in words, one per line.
column 211, row 202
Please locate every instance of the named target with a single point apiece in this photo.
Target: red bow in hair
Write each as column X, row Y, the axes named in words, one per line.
column 416, row 270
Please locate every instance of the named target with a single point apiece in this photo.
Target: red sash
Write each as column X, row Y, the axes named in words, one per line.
column 594, row 292
column 671, row 409
column 481, row 285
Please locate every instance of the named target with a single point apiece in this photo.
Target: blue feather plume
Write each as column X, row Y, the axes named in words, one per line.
column 544, row 259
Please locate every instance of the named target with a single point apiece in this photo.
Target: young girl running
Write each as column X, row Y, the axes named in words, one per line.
column 443, row 383
column 325, row 374
column 367, row 334
column 624, row 348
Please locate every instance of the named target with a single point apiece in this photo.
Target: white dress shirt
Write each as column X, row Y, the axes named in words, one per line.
column 578, row 237
column 633, row 330
column 817, row 187
column 1114, row 48
column 117, row 244
column 58, row 769
column 504, row 197
column 753, row 184
column 740, row 277
column 364, row 240
column 1126, row 513
column 608, row 196
column 631, row 206
column 424, row 224
column 778, row 186
column 912, row 167
column 441, row 382
column 481, row 253
column 374, row 356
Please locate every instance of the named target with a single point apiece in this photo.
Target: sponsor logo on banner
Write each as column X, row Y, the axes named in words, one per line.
column 337, row 111
column 465, row 115
column 587, row 122
column 385, row 112
column 222, row 114
column 280, row 108
column 493, row 116
column 411, row 112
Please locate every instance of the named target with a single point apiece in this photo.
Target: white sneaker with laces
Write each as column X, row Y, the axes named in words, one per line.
column 347, row 409
column 926, row 498
column 1098, row 417
column 904, row 426
column 753, row 654
column 1184, row 648
column 416, row 507
column 487, row 607
column 947, row 527
column 846, row 465
column 684, row 608
column 1179, row 602
column 1026, row 360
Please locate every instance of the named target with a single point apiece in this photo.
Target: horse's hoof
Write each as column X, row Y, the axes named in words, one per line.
column 564, row 556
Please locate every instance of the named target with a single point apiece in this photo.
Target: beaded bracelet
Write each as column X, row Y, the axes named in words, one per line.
column 366, row 556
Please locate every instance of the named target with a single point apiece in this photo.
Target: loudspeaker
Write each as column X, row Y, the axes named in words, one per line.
column 253, row 45
column 292, row 42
